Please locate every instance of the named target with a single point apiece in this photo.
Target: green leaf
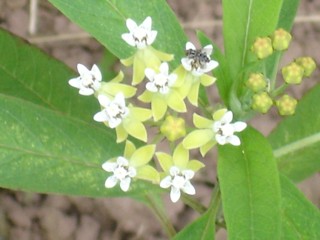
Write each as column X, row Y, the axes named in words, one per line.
column 43, row 151
column 300, row 219
column 250, row 188
column 105, row 20
column 243, row 21
column 296, row 140
column 29, row 74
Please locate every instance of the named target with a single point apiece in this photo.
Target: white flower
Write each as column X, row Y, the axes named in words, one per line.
column 122, row 173
column 160, row 82
column 225, row 130
column 139, row 36
column 199, row 61
column 178, row 180
column 114, row 110
column 88, row 81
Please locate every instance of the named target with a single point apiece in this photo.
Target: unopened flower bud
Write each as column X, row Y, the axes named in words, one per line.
column 173, row 128
column 308, row 64
column 262, row 47
column 292, row 73
column 281, row 39
column 261, row 102
column 286, row 105
column 256, row 82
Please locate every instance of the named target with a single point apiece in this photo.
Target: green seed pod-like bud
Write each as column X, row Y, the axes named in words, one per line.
column 292, row 73
column 308, row 64
column 261, row 102
column 262, row 47
column 286, row 105
column 173, row 128
column 256, row 82
column 281, row 39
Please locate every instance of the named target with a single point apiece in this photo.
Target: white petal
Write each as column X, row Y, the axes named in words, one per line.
column 208, row 50
column 172, row 79
column 119, row 99
column 147, row 23
column 227, row 117
column 128, row 38
column 82, row 69
column 234, row 140
column 109, row 166
column 164, row 90
column 75, row 82
column 186, row 64
column 188, row 174
column 220, row 139
column 197, row 72
column 175, row 194
column 125, row 184
column 149, row 73
column 96, row 72
column 216, row 126
column 166, row 182
column 189, row 189
column 164, row 68
column 96, row 85
column 239, row 126
column 131, row 25
column 86, row 91
column 104, row 100
column 121, row 161
column 151, row 87
column 174, row 171
column 211, row 65
column 132, row 172
column 189, row 45
column 111, row 182
column 151, row 37
column 114, row 122
column 101, row 117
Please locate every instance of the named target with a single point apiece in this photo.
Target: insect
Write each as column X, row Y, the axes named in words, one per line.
column 199, row 57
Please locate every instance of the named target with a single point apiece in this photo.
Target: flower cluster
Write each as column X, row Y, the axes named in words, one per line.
column 165, row 92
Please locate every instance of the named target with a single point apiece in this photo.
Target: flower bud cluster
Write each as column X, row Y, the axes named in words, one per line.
column 165, row 92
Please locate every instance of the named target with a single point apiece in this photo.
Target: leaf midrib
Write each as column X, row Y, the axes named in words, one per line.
column 245, row 44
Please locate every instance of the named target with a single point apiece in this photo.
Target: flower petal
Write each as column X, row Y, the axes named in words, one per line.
column 186, row 64
column 208, row 50
column 164, row 68
column 166, row 182
column 104, row 100
column 239, row 126
column 197, row 138
column 138, row 71
column 86, row 91
column 111, row 182
column 135, row 129
column 129, row 149
column 165, row 161
column 158, row 107
column 165, row 57
column 222, row 140
column 82, row 69
column 148, row 173
column 195, row 165
column 207, row 80
column 227, row 117
column 146, row 96
column 211, row 65
column 96, row 72
column 151, row 37
column 194, row 93
column 189, row 45
column 101, row 117
column 234, row 140
column 175, row 101
column 150, row 73
column 147, row 23
column 125, row 184
column 75, row 82
column 201, row 122
column 121, row 134
column 142, row 155
column 131, row 25
column 175, row 194
column 205, row 148
column 141, row 114
column 109, row 166
column 180, row 156
column 188, row 188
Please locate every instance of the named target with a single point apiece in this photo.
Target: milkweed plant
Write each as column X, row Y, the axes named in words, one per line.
column 130, row 135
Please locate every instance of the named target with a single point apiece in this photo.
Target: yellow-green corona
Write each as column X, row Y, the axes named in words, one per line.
column 173, row 128
column 286, row 105
column 261, row 102
column 292, row 73
column 256, row 82
column 262, row 47
column 281, row 39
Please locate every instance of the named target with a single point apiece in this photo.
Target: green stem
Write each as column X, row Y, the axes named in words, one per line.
column 215, row 204
column 161, row 215
column 274, row 70
column 193, row 203
column 279, row 90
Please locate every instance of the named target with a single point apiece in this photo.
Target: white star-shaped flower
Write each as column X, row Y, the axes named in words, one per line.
column 225, row 130
column 114, row 110
column 89, row 80
column 178, row 180
column 198, row 61
column 160, row 82
column 122, row 173
column 139, row 36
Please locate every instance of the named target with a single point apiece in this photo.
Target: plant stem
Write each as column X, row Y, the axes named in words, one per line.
column 193, row 203
column 279, row 90
column 161, row 215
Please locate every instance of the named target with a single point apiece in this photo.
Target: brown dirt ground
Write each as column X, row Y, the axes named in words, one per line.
column 30, row 216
